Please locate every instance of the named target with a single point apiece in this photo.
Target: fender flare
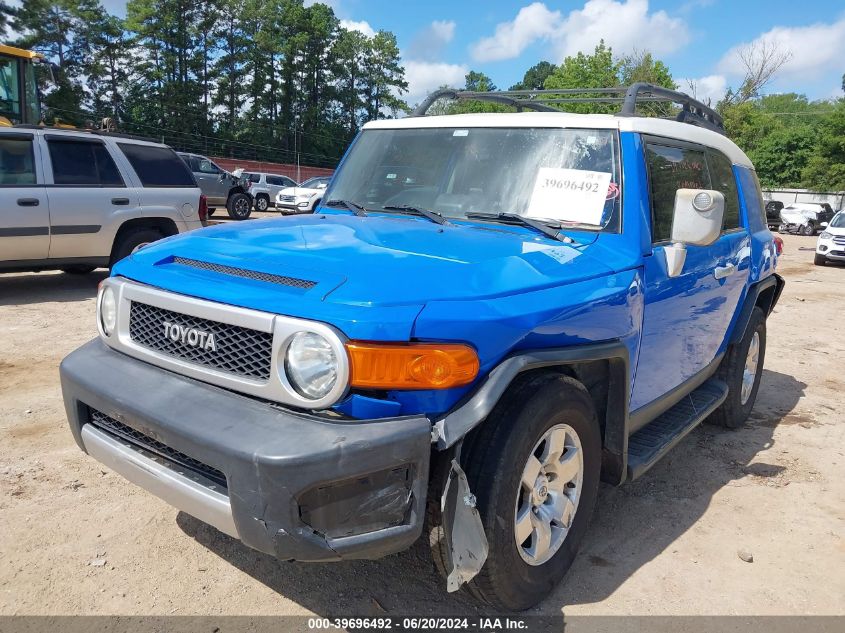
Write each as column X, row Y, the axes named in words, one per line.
column 764, row 293
column 476, row 406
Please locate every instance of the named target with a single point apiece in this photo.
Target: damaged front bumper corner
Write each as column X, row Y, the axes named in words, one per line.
column 296, row 486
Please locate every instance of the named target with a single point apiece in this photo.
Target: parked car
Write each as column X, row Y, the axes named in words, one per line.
column 265, row 187
column 303, row 198
column 773, row 209
column 831, row 244
column 478, row 334
column 75, row 200
column 805, row 217
column 221, row 188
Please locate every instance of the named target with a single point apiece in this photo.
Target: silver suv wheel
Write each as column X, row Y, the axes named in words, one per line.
column 548, row 495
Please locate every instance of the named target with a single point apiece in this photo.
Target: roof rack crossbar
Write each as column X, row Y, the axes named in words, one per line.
column 692, row 111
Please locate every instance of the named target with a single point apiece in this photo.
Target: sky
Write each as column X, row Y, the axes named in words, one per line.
column 441, row 40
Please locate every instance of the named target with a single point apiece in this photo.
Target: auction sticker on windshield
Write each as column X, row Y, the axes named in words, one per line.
column 569, row 195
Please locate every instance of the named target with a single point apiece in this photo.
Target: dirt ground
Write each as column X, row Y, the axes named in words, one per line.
column 77, row 539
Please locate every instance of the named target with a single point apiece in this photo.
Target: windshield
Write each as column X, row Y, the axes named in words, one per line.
column 556, row 175
column 838, row 221
column 313, row 183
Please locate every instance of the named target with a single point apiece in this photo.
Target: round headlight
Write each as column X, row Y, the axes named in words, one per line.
column 108, row 311
column 825, row 236
column 311, row 365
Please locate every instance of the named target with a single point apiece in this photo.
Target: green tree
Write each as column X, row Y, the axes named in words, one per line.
column 598, row 70
column 478, row 82
column 825, row 169
column 384, row 77
column 535, row 77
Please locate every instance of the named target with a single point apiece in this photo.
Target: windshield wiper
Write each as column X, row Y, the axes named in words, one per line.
column 513, row 218
column 356, row 208
column 425, row 213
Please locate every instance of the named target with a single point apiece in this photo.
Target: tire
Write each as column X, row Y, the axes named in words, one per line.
column 79, row 269
column 734, row 411
column 239, row 206
column 495, row 459
column 132, row 241
column 819, row 260
column 262, row 203
column 808, row 229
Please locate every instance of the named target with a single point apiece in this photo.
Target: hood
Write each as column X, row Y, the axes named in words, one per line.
column 833, row 230
column 316, row 266
column 299, row 191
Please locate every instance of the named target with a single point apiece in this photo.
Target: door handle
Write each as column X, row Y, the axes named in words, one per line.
column 120, row 201
column 28, row 202
column 724, row 271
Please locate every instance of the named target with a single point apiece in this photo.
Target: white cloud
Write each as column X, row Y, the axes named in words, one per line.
column 710, row 88
column 426, row 77
column 428, row 44
column 814, row 49
column 625, row 25
column 533, row 22
column 363, row 26
column 443, row 30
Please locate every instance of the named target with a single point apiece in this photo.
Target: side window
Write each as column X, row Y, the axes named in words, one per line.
column 256, row 178
column 207, row 167
column 279, row 181
column 672, row 168
column 157, row 166
column 722, row 175
column 83, row 163
column 17, row 162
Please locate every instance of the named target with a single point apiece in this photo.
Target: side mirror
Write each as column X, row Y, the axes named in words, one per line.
column 697, row 220
column 322, row 185
column 824, row 225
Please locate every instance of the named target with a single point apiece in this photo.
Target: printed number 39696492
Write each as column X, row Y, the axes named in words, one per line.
column 571, row 185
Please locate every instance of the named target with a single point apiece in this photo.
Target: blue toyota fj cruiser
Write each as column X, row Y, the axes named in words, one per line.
column 487, row 314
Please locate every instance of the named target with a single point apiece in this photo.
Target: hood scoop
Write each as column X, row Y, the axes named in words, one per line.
column 282, row 280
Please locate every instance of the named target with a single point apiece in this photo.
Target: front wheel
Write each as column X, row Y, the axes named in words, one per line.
column 534, row 468
column 132, row 242
column 239, row 206
column 819, row 260
column 808, row 229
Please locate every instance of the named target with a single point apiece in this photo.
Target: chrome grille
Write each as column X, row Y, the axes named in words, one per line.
column 287, row 198
column 239, row 350
column 138, row 439
column 305, row 284
column 839, row 240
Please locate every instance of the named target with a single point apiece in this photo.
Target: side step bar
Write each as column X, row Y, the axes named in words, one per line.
column 653, row 441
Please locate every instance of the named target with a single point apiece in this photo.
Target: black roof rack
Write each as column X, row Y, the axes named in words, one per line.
column 692, row 111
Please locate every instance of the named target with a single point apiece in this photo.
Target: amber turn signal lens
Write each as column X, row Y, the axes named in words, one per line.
column 411, row 365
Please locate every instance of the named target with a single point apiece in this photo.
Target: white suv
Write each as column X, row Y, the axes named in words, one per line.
column 76, row 200
column 265, row 187
column 831, row 244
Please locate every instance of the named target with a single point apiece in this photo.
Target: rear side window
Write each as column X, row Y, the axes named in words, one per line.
column 157, row 166
column 82, row 162
column 670, row 169
column 17, row 162
column 280, row 181
column 255, row 177
column 722, row 176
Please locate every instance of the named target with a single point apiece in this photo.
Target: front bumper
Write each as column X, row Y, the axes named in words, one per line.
column 297, row 486
column 831, row 250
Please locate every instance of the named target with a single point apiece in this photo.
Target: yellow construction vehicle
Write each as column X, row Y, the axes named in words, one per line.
column 19, row 101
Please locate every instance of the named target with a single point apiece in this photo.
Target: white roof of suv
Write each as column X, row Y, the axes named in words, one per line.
column 644, row 125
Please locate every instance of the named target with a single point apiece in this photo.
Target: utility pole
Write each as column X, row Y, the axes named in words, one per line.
column 296, row 146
